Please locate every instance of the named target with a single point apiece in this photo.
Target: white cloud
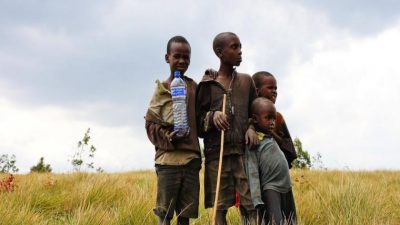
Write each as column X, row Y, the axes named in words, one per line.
column 345, row 101
column 53, row 133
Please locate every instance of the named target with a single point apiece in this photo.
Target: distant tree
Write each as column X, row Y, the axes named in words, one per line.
column 303, row 160
column 7, row 164
column 84, row 154
column 41, row 167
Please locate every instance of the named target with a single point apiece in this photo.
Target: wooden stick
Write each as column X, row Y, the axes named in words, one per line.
column 221, row 154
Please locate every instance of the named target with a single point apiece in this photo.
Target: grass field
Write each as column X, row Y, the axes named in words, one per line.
column 322, row 197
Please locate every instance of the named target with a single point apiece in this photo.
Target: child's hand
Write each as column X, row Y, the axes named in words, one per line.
column 251, row 138
column 213, row 74
column 172, row 136
column 220, row 121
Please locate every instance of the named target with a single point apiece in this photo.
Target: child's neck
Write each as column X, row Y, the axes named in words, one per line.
column 225, row 76
column 225, row 70
column 266, row 132
column 169, row 80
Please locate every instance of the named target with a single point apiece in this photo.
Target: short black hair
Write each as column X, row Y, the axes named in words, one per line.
column 219, row 40
column 257, row 77
column 178, row 39
column 259, row 103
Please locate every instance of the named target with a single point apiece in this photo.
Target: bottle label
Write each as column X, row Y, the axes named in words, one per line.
column 178, row 91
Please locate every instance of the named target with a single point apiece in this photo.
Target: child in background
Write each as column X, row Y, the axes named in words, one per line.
column 267, row 87
column 177, row 159
column 267, row 168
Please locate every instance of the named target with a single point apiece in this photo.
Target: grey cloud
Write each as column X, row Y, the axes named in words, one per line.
column 83, row 54
column 105, row 52
column 358, row 16
column 73, row 16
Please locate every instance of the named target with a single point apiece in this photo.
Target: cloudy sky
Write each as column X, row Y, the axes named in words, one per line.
column 69, row 65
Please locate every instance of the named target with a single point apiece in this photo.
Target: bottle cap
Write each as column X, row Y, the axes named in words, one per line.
column 177, row 74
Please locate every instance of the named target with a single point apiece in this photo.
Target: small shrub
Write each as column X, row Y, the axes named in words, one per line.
column 84, row 154
column 41, row 167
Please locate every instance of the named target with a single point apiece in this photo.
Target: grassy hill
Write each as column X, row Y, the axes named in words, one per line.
column 322, row 197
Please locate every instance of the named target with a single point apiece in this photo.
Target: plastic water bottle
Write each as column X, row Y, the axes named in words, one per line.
column 179, row 109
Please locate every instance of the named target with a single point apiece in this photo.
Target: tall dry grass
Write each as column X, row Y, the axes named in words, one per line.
column 322, row 197
column 347, row 198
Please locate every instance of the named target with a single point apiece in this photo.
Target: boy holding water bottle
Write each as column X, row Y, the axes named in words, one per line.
column 177, row 157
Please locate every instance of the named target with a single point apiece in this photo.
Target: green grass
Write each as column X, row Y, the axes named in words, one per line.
column 322, row 197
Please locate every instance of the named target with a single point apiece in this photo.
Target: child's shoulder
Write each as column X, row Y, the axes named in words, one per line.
column 161, row 87
column 279, row 119
column 243, row 74
column 186, row 77
column 278, row 114
column 190, row 80
column 206, row 77
column 244, row 78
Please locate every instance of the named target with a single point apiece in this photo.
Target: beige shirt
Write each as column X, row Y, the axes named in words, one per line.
column 161, row 104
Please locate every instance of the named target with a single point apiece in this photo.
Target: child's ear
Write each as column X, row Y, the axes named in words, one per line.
column 166, row 58
column 219, row 52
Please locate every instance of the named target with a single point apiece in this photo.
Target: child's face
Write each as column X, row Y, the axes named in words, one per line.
column 268, row 88
column 265, row 118
column 231, row 53
column 178, row 57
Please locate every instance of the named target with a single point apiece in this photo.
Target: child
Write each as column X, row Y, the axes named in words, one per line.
column 266, row 87
column 177, row 159
column 240, row 92
column 268, row 166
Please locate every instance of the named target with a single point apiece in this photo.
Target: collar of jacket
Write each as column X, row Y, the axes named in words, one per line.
column 206, row 79
column 161, row 88
column 261, row 135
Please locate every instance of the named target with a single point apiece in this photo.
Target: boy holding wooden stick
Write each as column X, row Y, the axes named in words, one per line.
column 240, row 91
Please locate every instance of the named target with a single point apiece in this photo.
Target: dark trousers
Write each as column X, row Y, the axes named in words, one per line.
column 279, row 208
